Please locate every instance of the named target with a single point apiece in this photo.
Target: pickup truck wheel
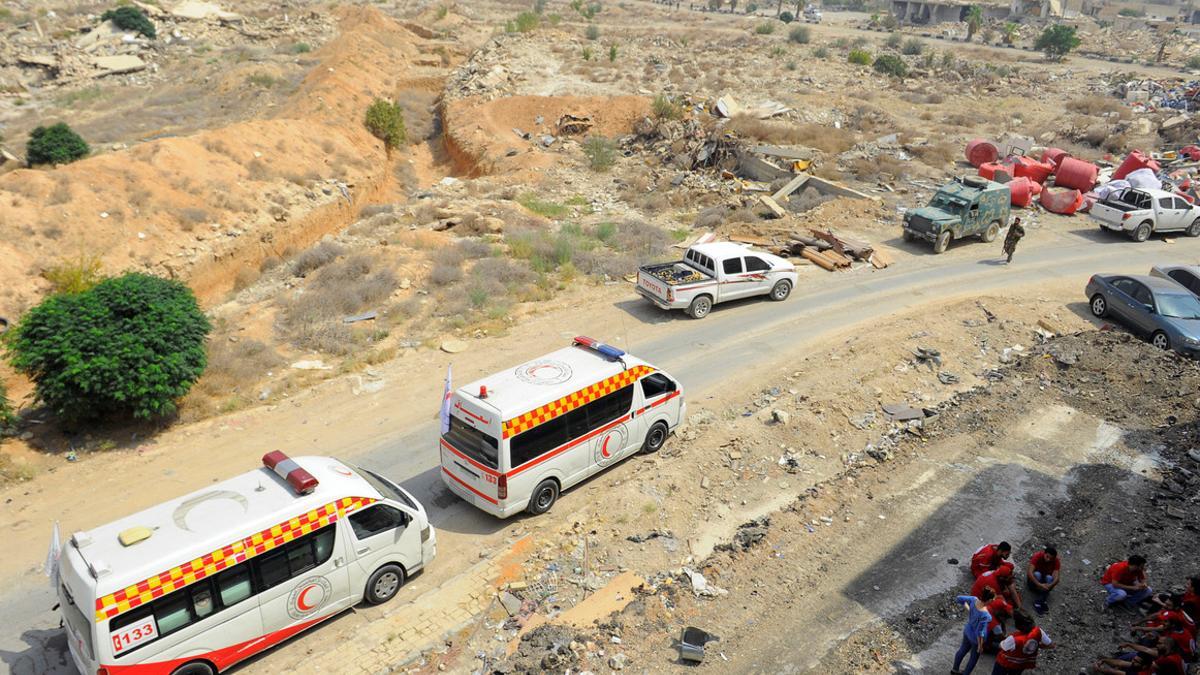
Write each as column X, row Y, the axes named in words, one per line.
column 942, row 242
column 1193, row 229
column 1142, row 233
column 700, row 307
column 781, row 290
column 993, row 229
column 908, row 236
column 1099, row 306
column 1160, row 340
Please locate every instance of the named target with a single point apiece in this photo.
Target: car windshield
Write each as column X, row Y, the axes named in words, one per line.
column 947, row 204
column 1179, row 306
column 385, row 487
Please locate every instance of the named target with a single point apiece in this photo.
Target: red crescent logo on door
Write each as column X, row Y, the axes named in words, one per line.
column 308, row 596
column 301, row 603
column 604, row 447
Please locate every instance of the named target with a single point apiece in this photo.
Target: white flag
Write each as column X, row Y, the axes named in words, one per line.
column 446, row 403
column 52, row 558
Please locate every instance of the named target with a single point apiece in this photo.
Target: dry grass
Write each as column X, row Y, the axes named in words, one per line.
column 826, row 139
column 882, row 166
column 937, row 155
column 313, row 318
column 316, row 257
column 1096, row 106
column 233, row 367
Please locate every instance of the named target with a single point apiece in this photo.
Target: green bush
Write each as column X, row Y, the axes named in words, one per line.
column 612, row 53
column 751, row 8
column 8, row 418
column 527, row 21
column 890, row 64
column 132, row 345
column 1057, row 40
column 587, row 54
column 75, row 276
column 1193, row 62
column 821, row 53
column 664, row 108
column 786, row 17
column 860, row 57
column 55, row 144
column 893, row 41
column 385, row 121
column 800, row 35
column 592, row 32
column 130, row 18
column 301, row 48
column 764, row 28
column 601, row 152
column 912, row 47
column 1131, row 12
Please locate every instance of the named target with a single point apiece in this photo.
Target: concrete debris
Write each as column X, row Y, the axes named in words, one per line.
column 313, row 364
column 727, row 106
column 453, row 346
column 569, row 124
column 117, row 65
column 195, row 10
column 700, row 586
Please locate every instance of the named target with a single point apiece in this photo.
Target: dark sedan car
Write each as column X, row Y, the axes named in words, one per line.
column 1152, row 306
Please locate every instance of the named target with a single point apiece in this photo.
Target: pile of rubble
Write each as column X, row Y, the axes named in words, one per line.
column 59, row 49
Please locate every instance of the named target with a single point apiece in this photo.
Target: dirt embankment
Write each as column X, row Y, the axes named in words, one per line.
column 203, row 207
column 481, row 135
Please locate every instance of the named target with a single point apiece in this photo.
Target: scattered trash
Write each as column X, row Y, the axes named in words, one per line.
column 691, row 644
column 947, row 377
column 365, row 316
column 700, row 586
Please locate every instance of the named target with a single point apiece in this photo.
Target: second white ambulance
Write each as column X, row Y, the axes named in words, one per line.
column 518, row 438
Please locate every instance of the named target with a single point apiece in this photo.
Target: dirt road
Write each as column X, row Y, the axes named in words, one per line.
column 393, row 430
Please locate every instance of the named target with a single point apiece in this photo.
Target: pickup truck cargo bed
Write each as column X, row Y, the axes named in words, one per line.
column 675, row 273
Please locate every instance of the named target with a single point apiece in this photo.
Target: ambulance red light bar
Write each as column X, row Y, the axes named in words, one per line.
column 597, row 346
column 286, row 468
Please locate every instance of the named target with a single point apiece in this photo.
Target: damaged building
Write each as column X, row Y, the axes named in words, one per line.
column 930, row 12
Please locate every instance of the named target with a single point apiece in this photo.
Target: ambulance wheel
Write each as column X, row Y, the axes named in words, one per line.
column 384, row 584
column 941, row 243
column 195, row 668
column 1193, row 229
column 993, row 229
column 700, row 307
column 781, row 291
column 544, row 496
column 655, row 438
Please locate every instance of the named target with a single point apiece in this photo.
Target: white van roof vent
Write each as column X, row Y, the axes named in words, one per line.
column 80, row 539
column 98, row 568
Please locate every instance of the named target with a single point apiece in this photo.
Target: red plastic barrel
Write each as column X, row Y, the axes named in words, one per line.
column 989, row 170
column 1136, row 160
column 1061, row 200
column 1054, row 155
column 1076, row 173
column 1032, row 169
column 1023, row 191
column 980, row 151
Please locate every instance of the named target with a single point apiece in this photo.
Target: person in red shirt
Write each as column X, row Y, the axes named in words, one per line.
column 1125, row 582
column 1041, row 575
column 1190, row 602
column 1000, row 580
column 1001, row 612
column 1140, row 664
column 1171, row 611
column 989, row 557
column 1167, row 659
column 1018, row 652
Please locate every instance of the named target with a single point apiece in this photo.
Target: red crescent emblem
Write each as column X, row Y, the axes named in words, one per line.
column 300, row 603
column 604, row 447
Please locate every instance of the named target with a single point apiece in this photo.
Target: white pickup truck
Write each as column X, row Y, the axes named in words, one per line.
column 716, row 272
column 1138, row 212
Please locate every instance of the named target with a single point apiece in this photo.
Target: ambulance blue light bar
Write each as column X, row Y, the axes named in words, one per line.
column 597, row 346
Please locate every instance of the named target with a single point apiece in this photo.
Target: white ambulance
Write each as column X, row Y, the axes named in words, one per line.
column 199, row 583
column 518, row 438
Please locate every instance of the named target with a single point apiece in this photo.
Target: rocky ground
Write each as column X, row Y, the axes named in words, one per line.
column 1134, row 491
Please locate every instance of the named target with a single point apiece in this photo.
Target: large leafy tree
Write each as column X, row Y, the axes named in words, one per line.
column 132, row 345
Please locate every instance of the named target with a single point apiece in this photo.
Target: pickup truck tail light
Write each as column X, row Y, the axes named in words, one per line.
column 670, row 294
column 1126, row 216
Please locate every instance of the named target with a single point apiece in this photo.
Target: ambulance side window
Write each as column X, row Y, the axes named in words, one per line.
column 376, row 519
column 610, row 407
column 656, row 384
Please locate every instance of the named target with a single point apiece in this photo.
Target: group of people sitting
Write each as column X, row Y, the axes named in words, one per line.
column 1162, row 643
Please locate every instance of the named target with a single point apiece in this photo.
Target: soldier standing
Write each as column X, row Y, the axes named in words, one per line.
column 1015, row 233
